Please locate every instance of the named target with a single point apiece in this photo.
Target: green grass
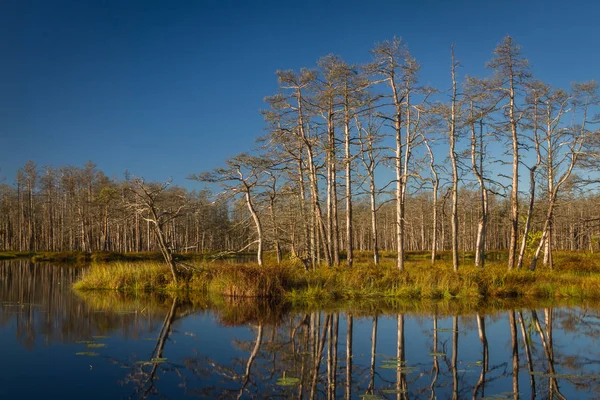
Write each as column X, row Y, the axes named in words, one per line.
column 576, row 276
column 126, row 276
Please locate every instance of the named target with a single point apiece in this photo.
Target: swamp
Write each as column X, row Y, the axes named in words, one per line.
column 187, row 344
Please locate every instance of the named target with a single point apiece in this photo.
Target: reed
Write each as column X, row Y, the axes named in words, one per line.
column 126, row 276
column 576, row 276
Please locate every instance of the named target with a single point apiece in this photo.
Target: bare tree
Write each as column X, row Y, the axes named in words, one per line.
column 563, row 149
column 511, row 72
column 394, row 65
column 243, row 175
column 150, row 201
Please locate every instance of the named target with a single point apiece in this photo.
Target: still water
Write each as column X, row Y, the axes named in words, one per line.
column 56, row 343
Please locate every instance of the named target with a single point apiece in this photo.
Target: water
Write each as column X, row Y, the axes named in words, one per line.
column 105, row 345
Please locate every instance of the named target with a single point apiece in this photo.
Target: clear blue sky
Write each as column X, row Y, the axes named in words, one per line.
column 169, row 88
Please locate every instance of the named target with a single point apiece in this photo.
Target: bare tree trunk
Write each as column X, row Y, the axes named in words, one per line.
column 435, row 180
column 514, row 196
column 477, row 165
column 529, row 215
column 452, row 134
column 348, row 164
column 258, row 225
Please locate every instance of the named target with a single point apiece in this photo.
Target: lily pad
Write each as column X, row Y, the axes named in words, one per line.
column 156, row 360
column 398, row 365
column 287, row 381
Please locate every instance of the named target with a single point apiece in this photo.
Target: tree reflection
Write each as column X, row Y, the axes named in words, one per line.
column 527, row 345
column 485, row 354
column 143, row 373
column 371, row 386
column 349, row 329
column 38, row 299
column 547, row 345
column 515, row 353
column 401, row 385
column 455, row 357
column 306, row 354
column 435, row 370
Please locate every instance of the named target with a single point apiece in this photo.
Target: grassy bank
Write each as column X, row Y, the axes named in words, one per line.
column 576, row 275
column 80, row 257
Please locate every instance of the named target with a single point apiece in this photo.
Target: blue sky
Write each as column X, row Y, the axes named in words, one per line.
column 169, row 88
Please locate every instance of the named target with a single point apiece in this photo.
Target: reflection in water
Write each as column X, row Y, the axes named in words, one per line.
column 173, row 347
column 479, row 386
column 39, row 301
column 527, row 346
column 455, row 357
column 515, row 353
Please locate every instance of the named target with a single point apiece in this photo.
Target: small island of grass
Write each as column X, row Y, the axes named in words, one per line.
column 576, row 275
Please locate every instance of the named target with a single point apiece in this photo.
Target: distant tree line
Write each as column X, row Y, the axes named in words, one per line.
column 81, row 209
column 356, row 157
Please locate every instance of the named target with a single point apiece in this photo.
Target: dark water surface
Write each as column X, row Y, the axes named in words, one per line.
column 56, row 343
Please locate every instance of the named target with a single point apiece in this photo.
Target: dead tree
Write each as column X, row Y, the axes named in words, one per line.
column 150, row 201
column 243, row 175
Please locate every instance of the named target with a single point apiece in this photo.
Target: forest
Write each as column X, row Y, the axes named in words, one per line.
column 354, row 158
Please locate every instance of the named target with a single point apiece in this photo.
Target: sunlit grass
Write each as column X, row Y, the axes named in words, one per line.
column 576, row 276
column 126, row 276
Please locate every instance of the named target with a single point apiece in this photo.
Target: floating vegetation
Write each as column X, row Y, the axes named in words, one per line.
column 395, row 363
column 368, row 396
column 287, row 381
column 156, row 360
column 474, row 364
column 437, row 354
column 86, row 353
column 85, row 342
column 95, row 345
column 445, row 330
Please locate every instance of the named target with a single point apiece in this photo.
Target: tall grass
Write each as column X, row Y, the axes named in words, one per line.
column 126, row 276
column 576, row 276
